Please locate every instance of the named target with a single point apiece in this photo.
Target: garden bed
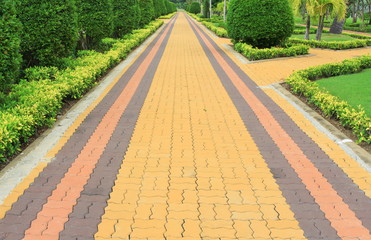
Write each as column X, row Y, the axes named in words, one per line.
column 303, row 83
column 35, row 103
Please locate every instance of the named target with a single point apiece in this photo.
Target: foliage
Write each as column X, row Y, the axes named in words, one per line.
column 205, row 8
column 147, row 11
column 262, row 24
column 10, row 58
column 49, row 30
column 95, row 21
column 335, row 45
column 158, row 6
column 126, row 16
column 221, row 32
column 168, row 16
column 35, row 103
column 301, row 83
column 195, row 8
column 257, row 54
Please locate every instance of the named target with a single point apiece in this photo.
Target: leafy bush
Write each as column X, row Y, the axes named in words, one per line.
column 335, row 45
column 168, row 16
column 147, row 11
column 221, row 32
column 10, row 58
column 49, row 30
column 257, row 54
column 126, row 17
column 195, row 8
column 158, row 4
column 32, row 104
column 301, row 83
column 95, row 21
column 262, row 24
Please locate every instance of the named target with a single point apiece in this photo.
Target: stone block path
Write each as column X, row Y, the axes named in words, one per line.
column 185, row 145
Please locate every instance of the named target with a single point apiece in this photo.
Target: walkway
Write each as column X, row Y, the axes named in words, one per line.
column 184, row 145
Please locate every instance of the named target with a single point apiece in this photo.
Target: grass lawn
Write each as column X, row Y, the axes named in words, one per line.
column 327, row 37
column 353, row 88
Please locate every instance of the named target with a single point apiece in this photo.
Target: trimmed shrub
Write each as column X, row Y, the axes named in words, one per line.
column 257, row 54
column 35, row 103
column 157, row 8
column 49, row 30
column 221, row 32
column 147, row 12
column 10, row 58
column 195, row 8
column 126, row 17
column 301, row 83
column 262, row 24
column 335, row 45
column 95, row 21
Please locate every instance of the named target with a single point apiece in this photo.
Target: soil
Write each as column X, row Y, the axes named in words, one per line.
column 333, row 121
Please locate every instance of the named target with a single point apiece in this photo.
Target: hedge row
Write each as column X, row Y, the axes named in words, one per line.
column 221, row 32
column 168, row 16
column 301, row 83
column 35, row 103
column 275, row 52
column 335, row 45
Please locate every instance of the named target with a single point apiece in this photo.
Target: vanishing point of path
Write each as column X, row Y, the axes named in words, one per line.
column 185, row 145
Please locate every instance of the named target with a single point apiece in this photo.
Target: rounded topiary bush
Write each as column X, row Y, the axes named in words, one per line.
column 262, row 24
column 126, row 16
column 195, row 8
column 147, row 11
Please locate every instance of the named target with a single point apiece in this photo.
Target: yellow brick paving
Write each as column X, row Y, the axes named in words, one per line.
column 357, row 173
column 268, row 72
column 192, row 170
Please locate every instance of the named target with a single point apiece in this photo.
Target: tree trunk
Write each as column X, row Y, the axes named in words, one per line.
column 307, row 31
column 320, row 28
column 337, row 27
column 211, row 9
column 355, row 12
column 225, row 10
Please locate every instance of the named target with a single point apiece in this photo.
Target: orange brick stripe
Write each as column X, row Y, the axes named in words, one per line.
column 342, row 218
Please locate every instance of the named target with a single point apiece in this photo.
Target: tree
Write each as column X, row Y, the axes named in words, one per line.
column 195, row 8
column 206, row 8
column 299, row 7
column 126, row 17
column 95, row 21
column 49, row 30
column 319, row 9
column 147, row 12
column 157, row 4
column 262, row 24
column 10, row 57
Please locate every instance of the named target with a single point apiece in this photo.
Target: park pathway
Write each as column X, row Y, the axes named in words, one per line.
column 186, row 146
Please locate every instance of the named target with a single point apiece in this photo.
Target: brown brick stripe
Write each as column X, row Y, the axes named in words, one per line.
column 298, row 193
column 24, row 211
column 86, row 215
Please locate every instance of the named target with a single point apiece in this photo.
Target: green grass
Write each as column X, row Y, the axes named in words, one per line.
column 327, row 37
column 353, row 88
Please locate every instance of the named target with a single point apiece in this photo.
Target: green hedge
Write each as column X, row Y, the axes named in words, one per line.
column 168, row 16
column 147, row 12
column 126, row 17
column 301, row 83
column 335, row 45
column 10, row 57
column 35, row 103
column 257, row 54
column 221, row 32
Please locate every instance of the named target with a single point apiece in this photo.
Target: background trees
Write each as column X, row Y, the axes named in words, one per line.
column 195, row 8
column 126, row 16
column 262, row 24
column 10, row 58
column 49, row 30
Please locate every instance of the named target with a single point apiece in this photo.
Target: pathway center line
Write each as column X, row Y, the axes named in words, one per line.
column 342, row 218
column 64, row 196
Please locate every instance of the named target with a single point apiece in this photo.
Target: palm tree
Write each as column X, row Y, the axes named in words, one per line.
column 320, row 8
column 300, row 8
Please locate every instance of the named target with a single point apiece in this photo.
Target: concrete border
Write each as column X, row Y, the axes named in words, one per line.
column 33, row 155
column 351, row 148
